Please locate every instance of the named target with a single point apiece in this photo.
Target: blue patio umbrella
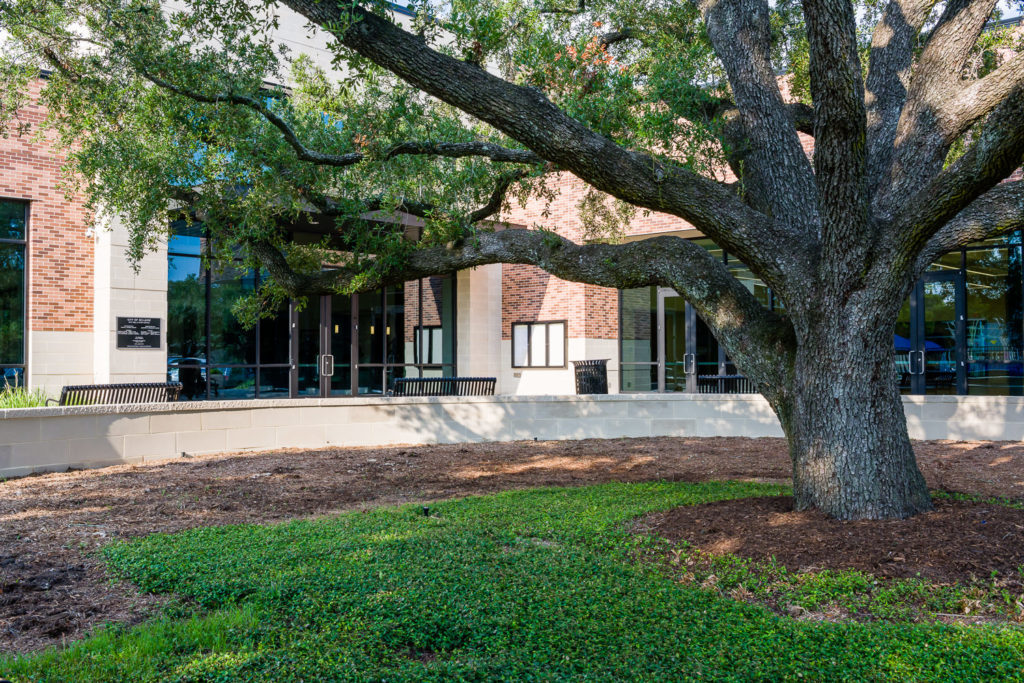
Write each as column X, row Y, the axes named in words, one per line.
column 903, row 344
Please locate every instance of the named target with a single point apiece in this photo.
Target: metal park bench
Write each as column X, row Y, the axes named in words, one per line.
column 443, row 386
column 91, row 394
column 725, row 384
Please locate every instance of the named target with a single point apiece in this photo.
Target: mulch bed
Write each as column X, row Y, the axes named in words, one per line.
column 957, row 542
column 54, row 586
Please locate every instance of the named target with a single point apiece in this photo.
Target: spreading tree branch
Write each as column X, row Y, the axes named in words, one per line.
column 997, row 212
column 840, row 128
column 465, row 149
column 889, row 72
column 925, row 131
column 301, row 151
column 950, row 43
column 997, row 152
column 526, row 115
column 979, row 98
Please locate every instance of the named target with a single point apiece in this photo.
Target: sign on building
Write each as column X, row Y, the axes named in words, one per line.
column 138, row 333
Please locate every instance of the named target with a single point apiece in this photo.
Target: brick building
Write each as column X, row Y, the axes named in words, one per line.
column 66, row 290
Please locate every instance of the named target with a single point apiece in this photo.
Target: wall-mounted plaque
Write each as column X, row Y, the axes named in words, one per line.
column 138, row 333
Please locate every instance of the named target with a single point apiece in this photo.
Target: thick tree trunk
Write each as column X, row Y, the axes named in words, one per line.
column 847, row 431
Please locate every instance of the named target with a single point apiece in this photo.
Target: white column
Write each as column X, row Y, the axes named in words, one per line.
column 478, row 322
column 120, row 291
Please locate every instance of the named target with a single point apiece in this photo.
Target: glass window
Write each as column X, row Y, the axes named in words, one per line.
column 208, row 350
column 947, row 263
column 638, row 345
column 995, row 321
column 13, row 245
column 12, row 220
column 520, row 345
column 753, row 283
column 186, row 308
column 230, row 343
column 533, row 344
column 12, row 304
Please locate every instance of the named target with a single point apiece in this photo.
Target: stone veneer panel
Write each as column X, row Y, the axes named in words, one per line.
column 46, row 439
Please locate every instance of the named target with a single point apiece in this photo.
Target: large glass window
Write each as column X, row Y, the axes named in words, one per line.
column 375, row 337
column 995, row 320
column 208, row 351
column 420, row 329
column 13, row 243
column 961, row 330
column 638, row 343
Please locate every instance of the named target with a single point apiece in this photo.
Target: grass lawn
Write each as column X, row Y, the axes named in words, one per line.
column 529, row 585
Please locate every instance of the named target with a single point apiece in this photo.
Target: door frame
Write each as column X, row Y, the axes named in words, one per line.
column 324, row 348
column 916, row 355
column 690, row 355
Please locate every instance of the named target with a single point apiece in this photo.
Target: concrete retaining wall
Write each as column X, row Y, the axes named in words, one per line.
column 43, row 439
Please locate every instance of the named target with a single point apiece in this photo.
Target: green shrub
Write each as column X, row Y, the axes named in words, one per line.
column 20, row 397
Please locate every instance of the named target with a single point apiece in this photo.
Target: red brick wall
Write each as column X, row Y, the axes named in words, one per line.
column 432, row 301
column 530, row 294
column 60, row 256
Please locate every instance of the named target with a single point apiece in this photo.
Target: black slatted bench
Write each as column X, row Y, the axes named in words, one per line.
column 725, row 384
column 443, row 386
column 92, row 394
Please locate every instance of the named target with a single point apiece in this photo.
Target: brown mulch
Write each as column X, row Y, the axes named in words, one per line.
column 958, row 541
column 53, row 586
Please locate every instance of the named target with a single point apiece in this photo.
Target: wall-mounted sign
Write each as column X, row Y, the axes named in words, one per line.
column 138, row 333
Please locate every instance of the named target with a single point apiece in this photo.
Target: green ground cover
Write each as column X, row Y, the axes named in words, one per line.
column 528, row 585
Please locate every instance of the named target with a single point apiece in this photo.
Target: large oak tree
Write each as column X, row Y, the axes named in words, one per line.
column 917, row 116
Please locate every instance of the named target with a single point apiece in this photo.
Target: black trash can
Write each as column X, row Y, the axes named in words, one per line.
column 591, row 376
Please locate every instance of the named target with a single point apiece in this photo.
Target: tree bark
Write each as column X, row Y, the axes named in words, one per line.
column 847, row 432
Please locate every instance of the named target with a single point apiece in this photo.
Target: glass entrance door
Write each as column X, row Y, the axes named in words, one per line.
column 322, row 347
column 929, row 337
column 675, row 369
column 689, row 357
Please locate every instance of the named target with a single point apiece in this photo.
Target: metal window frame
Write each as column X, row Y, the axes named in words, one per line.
column 26, row 290
column 547, row 343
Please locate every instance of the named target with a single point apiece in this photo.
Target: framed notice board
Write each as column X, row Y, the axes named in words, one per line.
column 138, row 333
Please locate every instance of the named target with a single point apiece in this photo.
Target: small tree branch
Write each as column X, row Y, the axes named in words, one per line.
column 494, row 204
column 612, row 37
column 301, row 151
column 467, row 149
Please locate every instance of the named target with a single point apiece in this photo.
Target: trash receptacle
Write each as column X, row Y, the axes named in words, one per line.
column 591, row 376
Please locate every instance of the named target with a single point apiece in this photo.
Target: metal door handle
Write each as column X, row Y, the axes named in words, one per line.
column 910, row 363
column 689, row 363
column 327, row 365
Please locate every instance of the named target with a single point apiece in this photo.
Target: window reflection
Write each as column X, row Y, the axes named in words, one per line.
column 969, row 323
column 994, row 321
